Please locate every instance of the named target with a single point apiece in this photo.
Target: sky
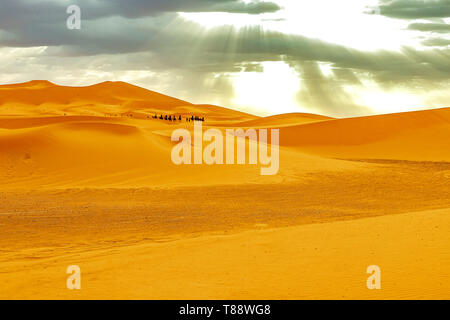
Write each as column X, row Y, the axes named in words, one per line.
column 337, row 58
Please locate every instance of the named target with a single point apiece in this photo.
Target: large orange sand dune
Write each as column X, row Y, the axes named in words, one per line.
column 103, row 135
column 86, row 178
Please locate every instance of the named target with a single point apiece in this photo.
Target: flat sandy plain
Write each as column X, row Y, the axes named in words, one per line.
column 86, row 179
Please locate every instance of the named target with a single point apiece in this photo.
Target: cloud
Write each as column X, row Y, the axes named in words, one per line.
column 325, row 95
column 174, row 43
column 415, row 9
column 149, row 43
column 140, row 8
column 250, row 44
column 16, row 13
column 432, row 10
column 168, row 42
column 430, row 27
column 436, row 42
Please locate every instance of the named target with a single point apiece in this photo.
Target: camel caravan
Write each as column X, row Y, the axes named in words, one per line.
column 159, row 117
column 178, row 118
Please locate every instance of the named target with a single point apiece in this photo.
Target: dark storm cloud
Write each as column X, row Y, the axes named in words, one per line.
column 15, row 13
column 30, row 23
column 415, row 9
column 178, row 44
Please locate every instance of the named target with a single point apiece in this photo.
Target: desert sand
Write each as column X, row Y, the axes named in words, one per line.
column 86, row 179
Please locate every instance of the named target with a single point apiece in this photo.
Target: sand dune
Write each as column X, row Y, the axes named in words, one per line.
column 86, row 178
column 283, row 120
column 118, row 93
column 97, row 152
column 420, row 135
column 40, row 98
column 45, row 144
column 125, row 148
